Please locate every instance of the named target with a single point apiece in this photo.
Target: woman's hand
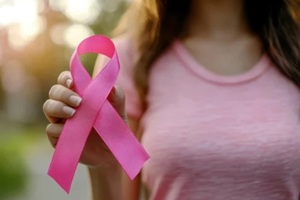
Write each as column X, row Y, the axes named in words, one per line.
column 62, row 104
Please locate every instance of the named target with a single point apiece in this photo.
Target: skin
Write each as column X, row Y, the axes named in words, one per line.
column 219, row 38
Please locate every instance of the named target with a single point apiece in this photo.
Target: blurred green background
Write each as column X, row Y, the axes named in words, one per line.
column 37, row 38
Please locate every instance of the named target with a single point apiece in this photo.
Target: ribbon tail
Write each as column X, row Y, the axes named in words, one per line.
column 122, row 142
column 68, row 151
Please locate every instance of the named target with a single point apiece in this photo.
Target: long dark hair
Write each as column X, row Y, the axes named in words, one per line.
column 158, row 22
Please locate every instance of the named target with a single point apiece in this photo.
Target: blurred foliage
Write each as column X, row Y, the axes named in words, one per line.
column 14, row 146
column 13, row 170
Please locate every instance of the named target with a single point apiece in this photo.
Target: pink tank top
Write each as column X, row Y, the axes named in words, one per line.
column 213, row 137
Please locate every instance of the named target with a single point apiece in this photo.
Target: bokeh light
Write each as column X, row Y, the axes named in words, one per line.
column 18, row 11
column 85, row 11
column 75, row 33
column 22, row 16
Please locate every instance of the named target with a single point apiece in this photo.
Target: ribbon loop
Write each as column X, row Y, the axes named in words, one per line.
column 95, row 112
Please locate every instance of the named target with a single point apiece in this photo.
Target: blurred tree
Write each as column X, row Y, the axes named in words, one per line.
column 13, row 171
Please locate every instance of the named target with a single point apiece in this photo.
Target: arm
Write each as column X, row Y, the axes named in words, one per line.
column 111, row 183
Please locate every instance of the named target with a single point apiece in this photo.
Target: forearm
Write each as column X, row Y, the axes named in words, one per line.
column 106, row 183
column 110, row 182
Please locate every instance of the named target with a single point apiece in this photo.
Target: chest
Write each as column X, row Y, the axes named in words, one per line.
column 200, row 129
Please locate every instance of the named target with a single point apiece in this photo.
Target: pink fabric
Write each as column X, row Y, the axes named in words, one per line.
column 212, row 137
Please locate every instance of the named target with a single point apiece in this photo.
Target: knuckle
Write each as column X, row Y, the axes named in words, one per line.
column 53, row 130
column 63, row 76
column 57, row 109
column 52, row 91
column 56, row 92
column 53, row 108
column 46, row 106
column 48, row 129
column 66, row 73
column 53, row 133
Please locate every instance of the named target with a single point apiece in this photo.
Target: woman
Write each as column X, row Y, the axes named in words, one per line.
column 227, row 128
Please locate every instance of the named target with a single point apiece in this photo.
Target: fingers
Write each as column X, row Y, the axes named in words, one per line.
column 62, row 100
column 53, row 132
column 65, row 95
column 65, row 79
column 56, row 110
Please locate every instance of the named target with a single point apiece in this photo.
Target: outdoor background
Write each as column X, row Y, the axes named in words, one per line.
column 37, row 38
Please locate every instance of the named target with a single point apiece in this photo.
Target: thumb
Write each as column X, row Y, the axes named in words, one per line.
column 117, row 100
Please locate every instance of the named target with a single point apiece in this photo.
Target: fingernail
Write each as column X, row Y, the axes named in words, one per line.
column 69, row 82
column 76, row 100
column 69, row 111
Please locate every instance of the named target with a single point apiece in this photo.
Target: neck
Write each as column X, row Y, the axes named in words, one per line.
column 218, row 19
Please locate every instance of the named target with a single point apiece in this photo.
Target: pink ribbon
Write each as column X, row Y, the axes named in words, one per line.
column 95, row 111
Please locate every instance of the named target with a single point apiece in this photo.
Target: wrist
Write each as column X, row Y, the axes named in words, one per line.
column 106, row 182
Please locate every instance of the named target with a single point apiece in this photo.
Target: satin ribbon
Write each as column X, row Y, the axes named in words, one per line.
column 95, row 111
